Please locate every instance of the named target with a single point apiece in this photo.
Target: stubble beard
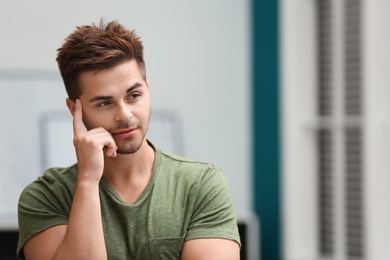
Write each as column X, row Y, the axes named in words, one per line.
column 132, row 144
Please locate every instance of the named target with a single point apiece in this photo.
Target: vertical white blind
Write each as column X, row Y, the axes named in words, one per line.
column 339, row 136
column 324, row 137
column 353, row 132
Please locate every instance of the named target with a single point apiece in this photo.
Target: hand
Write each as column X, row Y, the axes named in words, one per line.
column 90, row 146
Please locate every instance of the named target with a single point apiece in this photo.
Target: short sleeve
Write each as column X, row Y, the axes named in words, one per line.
column 214, row 215
column 42, row 204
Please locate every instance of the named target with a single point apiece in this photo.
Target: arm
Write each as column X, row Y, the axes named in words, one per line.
column 210, row 249
column 83, row 237
column 80, row 239
column 213, row 233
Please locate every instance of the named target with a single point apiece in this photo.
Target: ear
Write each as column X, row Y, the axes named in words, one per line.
column 70, row 104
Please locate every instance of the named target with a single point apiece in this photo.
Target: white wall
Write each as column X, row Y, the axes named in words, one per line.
column 298, row 118
column 197, row 58
column 377, row 127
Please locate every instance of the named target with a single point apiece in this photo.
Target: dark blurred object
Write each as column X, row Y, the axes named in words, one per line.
column 8, row 243
column 242, row 229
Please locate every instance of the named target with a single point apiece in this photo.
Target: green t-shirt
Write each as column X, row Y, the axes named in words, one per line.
column 184, row 200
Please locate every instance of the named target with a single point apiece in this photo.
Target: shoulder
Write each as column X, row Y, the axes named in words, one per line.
column 57, row 175
column 50, row 193
column 188, row 175
column 53, row 180
column 182, row 167
column 60, row 174
column 180, row 163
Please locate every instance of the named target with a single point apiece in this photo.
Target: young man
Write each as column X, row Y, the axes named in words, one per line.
column 125, row 198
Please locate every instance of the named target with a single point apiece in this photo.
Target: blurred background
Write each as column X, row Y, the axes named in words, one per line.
column 289, row 98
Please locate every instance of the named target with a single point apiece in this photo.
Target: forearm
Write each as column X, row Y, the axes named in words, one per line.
column 84, row 238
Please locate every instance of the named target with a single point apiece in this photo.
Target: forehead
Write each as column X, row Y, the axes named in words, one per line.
column 120, row 76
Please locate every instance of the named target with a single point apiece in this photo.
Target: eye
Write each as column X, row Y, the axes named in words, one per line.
column 103, row 104
column 134, row 95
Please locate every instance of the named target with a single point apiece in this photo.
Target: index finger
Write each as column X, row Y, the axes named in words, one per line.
column 78, row 125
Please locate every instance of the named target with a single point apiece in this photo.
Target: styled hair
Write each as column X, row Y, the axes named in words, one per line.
column 97, row 47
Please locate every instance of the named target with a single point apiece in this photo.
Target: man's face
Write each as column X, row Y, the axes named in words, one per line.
column 118, row 100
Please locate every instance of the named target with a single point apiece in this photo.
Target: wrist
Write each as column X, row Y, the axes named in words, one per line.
column 87, row 181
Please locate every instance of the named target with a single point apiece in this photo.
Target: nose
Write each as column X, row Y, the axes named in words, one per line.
column 123, row 112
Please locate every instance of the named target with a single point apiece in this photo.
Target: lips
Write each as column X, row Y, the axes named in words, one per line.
column 125, row 132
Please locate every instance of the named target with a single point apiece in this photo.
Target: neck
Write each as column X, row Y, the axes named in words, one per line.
column 129, row 174
column 125, row 167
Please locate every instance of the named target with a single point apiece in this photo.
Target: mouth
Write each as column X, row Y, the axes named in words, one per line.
column 124, row 132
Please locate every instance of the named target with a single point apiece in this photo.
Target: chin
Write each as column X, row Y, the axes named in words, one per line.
column 126, row 151
column 129, row 148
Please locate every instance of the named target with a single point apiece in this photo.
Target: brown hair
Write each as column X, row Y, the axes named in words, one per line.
column 92, row 47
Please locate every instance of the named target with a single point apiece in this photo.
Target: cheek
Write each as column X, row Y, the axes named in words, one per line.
column 146, row 115
column 87, row 123
column 93, row 121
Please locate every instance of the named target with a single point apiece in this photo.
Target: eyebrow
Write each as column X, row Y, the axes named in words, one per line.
column 98, row 98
